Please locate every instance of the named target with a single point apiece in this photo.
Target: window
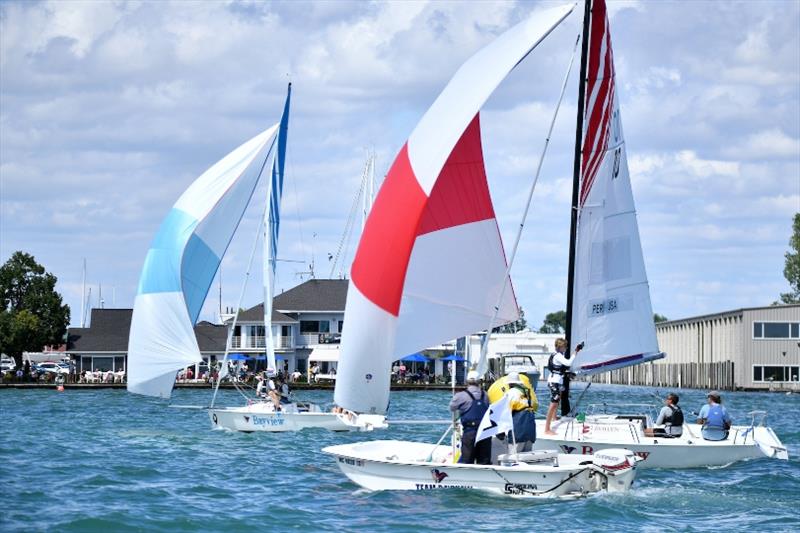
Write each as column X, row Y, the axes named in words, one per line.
column 314, row 326
column 341, row 325
column 776, row 330
column 776, row 373
column 257, row 331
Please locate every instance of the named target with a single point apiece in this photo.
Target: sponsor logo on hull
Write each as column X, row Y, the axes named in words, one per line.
column 520, row 488
column 268, row 420
column 432, row 486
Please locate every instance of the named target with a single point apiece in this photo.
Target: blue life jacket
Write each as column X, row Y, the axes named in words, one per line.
column 471, row 418
column 715, row 417
column 524, row 426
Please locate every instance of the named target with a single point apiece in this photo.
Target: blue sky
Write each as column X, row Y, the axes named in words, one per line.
column 109, row 110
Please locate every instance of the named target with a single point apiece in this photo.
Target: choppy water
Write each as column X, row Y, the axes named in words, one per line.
column 108, row 461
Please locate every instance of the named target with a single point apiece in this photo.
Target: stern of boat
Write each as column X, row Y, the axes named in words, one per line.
column 618, row 466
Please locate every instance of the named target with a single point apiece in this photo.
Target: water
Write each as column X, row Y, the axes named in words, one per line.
column 108, row 461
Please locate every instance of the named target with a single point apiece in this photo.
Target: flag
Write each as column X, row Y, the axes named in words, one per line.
column 496, row 420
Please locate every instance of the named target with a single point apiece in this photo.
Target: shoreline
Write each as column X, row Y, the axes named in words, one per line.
column 294, row 386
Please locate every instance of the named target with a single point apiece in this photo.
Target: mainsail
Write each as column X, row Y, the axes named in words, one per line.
column 430, row 265
column 272, row 227
column 611, row 312
column 182, row 262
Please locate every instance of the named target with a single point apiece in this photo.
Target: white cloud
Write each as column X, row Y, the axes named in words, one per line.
column 108, row 110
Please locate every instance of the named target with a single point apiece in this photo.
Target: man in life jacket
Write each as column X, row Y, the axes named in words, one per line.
column 671, row 417
column 559, row 366
column 524, row 404
column 715, row 418
column 471, row 404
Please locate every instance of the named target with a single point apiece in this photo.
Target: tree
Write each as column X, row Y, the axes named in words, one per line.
column 513, row 327
column 32, row 313
column 554, row 323
column 791, row 270
column 659, row 318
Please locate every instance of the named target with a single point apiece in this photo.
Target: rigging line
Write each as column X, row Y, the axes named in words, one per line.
column 238, row 306
column 482, row 365
column 293, row 179
column 348, row 227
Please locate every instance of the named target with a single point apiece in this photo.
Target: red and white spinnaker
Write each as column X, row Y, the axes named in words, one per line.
column 430, row 265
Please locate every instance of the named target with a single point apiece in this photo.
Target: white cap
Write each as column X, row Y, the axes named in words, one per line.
column 513, row 377
column 473, row 375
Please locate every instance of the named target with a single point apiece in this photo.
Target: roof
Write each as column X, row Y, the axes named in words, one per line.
column 712, row 316
column 256, row 314
column 315, row 295
column 110, row 328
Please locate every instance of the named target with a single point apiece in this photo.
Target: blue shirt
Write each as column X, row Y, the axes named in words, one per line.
column 704, row 412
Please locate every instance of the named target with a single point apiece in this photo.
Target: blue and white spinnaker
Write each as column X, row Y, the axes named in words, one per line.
column 182, row 262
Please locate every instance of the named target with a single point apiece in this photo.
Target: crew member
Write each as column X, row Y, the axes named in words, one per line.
column 559, row 366
column 715, row 418
column 671, row 417
column 471, row 404
column 524, row 404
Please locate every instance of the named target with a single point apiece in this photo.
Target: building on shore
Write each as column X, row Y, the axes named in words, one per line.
column 755, row 348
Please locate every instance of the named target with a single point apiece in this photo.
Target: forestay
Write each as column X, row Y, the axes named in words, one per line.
column 612, row 314
column 430, row 265
column 181, row 264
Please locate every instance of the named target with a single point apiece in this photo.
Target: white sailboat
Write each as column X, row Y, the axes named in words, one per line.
column 608, row 303
column 179, row 268
column 431, row 267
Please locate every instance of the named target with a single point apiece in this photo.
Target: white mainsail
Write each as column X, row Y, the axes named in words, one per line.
column 430, row 266
column 182, row 262
column 611, row 313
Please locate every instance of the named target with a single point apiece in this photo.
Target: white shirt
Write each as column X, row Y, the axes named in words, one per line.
column 559, row 359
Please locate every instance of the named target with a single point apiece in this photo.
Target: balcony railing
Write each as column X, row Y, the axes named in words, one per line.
column 280, row 343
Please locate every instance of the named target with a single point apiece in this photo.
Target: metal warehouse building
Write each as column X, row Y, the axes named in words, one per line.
column 756, row 348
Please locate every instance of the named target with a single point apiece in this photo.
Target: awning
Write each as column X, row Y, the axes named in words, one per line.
column 329, row 355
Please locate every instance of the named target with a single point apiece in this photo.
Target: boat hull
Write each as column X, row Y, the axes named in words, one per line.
column 402, row 465
column 688, row 451
column 260, row 417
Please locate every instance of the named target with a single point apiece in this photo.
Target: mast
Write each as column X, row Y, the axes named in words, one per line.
column 83, row 296
column 576, row 177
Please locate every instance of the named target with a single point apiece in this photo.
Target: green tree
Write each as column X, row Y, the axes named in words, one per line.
column 32, row 313
column 792, row 268
column 554, row 323
column 659, row 318
column 513, row 327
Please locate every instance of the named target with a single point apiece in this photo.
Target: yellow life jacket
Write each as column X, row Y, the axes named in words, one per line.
column 501, row 386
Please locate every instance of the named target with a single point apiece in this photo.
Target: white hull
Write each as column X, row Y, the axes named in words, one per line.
column 403, row 465
column 689, row 450
column 262, row 416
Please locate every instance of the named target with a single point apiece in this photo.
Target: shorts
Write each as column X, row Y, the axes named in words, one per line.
column 555, row 392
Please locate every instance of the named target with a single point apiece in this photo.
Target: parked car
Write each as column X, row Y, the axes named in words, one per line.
column 50, row 366
column 7, row 365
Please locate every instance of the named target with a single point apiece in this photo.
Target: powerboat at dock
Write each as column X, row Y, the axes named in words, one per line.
column 607, row 431
column 402, row 465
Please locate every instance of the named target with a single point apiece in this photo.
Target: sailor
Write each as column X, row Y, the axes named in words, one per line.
column 715, row 418
column 283, row 390
column 559, row 366
column 471, row 404
column 261, row 387
column 524, row 404
column 272, row 390
column 671, row 417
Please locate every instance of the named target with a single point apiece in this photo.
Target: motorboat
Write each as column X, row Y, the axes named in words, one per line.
column 599, row 432
column 403, row 465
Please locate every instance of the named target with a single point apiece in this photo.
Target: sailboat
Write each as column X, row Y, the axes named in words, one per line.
column 179, row 268
column 608, row 298
column 431, row 267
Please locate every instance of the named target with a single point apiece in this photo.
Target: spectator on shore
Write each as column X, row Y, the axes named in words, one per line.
column 402, row 373
column 189, row 374
column 20, row 374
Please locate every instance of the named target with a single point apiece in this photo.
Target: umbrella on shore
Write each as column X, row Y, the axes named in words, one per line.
column 453, row 357
column 237, row 357
column 415, row 358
